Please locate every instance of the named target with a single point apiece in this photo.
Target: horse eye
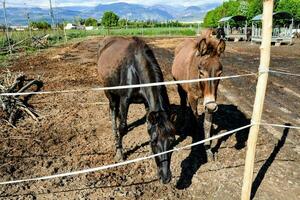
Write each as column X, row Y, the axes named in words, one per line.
column 201, row 73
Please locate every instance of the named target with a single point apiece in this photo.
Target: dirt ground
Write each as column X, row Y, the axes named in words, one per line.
column 74, row 132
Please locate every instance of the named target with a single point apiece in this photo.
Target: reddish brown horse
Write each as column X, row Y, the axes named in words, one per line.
column 199, row 58
column 127, row 61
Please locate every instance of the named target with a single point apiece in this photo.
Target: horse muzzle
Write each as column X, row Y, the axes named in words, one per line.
column 164, row 173
column 165, row 177
column 211, row 106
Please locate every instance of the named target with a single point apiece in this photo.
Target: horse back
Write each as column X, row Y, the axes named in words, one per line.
column 112, row 54
column 182, row 66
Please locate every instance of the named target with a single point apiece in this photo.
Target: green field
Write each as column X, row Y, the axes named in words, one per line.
column 58, row 36
column 135, row 32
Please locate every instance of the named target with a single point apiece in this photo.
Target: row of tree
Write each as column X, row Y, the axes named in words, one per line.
column 249, row 8
column 110, row 19
column 40, row 25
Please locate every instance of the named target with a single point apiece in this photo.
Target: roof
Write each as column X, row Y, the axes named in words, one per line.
column 276, row 15
column 235, row 18
column 257, row 18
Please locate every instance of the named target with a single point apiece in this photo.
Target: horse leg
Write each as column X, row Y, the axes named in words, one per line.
column 146, row 106
column 183, row 97
column 183, row 101
column 207, row 130
column 193, row 103
column 207, row 125
column 114, row 103
column 123, row 124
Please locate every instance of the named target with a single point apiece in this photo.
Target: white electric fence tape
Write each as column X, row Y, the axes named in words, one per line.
column 263, row 70
column 278, row 125
column 285, row 73
column 128, row 86
column 125, row 162
column 154, row 155
column 143, row 158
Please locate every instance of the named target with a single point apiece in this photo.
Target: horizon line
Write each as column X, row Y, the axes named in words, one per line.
column 64, row 5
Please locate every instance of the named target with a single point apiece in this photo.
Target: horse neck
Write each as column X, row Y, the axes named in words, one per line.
column 150, row 73
column 155, row 98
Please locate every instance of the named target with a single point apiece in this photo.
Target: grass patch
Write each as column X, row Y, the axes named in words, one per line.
column 57, row 37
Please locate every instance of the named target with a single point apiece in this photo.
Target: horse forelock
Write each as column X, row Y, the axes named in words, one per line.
column 208, row 33
column 165, row 128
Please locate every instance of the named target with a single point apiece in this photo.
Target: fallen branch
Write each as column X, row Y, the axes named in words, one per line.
column 40, row 41
column 15, row 105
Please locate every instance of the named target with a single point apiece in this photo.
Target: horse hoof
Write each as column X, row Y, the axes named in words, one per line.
column 119, row 156
column 210, row 155
column 215, row 156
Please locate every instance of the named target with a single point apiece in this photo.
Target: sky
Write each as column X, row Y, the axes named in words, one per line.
column 45, row 3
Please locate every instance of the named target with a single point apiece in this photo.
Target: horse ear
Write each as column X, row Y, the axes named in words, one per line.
column 153, row 118
column 173, row 117
column 154, row 136
column 201, row 48
column 221, row 47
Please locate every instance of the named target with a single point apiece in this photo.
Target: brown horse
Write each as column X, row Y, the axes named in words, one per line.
column 127, row 61
column 199, row 58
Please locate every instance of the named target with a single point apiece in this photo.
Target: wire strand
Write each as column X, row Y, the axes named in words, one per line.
column 127, row 86
column 125, row 162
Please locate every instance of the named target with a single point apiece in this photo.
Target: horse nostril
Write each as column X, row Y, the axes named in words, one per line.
column 216, row 108
column 165, row 175
column 166, row 179
column 212, row 107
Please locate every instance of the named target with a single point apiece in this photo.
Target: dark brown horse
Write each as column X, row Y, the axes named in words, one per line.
column 127, row 61
column 199, row 58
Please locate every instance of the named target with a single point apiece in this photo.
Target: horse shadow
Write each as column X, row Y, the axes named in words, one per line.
column 228, row 117
column 130, row 127
column 136, row 123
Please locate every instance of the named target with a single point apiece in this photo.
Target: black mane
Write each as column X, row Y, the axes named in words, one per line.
column 157, row 73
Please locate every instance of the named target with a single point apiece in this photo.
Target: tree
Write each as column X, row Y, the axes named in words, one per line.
column 255, row 8
column 243, row 9
column 40, row 25
column 91, row 22
column 248, row 8
column 79, row 21
column 123, row 22
column 228, row 8
column 211, row 18
column 291, row 6
column 109, row 19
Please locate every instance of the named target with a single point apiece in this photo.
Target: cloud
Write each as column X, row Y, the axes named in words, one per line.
column 45, row 3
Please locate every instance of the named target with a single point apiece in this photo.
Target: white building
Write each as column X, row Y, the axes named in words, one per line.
column 70, row 26
column 19, row 28
column 89, row 28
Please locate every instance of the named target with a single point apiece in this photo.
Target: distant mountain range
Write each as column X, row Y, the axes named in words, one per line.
column 17, row 15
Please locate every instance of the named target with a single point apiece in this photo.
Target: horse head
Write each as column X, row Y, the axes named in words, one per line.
column 207, row 61
column 162, row 133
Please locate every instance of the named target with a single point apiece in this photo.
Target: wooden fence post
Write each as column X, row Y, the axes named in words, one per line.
column 65, row 33
column 6, row 28
column 265, row 50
